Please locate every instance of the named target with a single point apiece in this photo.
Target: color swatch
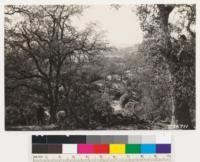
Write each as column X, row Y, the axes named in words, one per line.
column 117, row 148
column 133, row 148
column 100, row 145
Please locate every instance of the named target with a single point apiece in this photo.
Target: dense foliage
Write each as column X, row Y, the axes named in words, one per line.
column 49, row 63
column 173, row 40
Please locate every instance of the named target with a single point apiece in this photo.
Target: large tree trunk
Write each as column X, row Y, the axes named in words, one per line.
column 53, row 114
column 182, row 113
column 184, row 99
column 180, row 103
column 53, row 107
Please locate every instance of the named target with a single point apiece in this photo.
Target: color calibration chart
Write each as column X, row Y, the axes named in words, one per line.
column 101, row 148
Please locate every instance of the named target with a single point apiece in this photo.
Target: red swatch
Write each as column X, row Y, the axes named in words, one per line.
column 101, row 148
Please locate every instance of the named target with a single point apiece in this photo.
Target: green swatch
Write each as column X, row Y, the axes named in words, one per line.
column 132, row 148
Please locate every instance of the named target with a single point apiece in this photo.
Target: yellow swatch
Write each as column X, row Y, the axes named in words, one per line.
column 117, row 148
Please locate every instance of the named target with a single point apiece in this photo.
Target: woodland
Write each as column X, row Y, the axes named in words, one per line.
column 52, row 66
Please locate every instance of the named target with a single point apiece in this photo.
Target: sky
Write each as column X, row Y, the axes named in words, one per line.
column 122, row 26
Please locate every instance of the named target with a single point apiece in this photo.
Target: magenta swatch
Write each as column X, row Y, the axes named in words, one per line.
column 85, row 148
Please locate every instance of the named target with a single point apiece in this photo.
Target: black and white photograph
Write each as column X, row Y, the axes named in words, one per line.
column 100, row 67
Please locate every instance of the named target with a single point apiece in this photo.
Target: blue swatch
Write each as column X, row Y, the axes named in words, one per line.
column 148, row 148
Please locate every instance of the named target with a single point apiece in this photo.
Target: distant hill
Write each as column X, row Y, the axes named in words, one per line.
column 122, row 52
